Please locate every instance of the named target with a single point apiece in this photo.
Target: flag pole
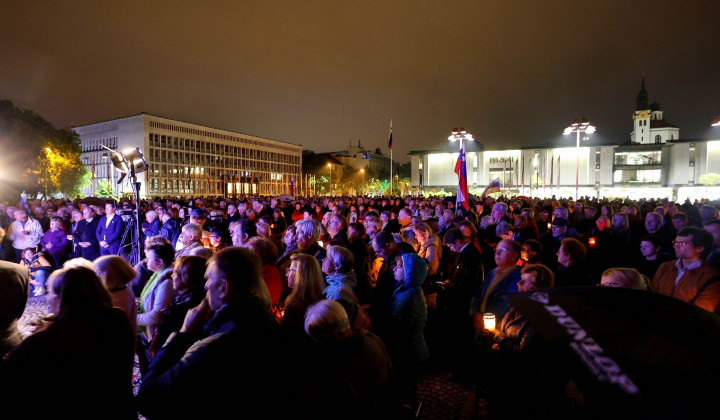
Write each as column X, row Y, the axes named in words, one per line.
column 391, row 158
column 457, row 196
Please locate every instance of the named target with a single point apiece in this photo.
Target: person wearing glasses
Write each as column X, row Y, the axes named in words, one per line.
column 689, row 278
column 337, row 228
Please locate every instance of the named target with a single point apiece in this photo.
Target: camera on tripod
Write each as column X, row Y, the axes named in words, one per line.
column 126, row 214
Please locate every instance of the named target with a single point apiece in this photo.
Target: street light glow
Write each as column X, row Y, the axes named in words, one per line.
column 578, row 127
column 460, row 134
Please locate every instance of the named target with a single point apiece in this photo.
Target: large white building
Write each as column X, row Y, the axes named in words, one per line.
column 188, row 159
column 358, row 157
column 656, row 162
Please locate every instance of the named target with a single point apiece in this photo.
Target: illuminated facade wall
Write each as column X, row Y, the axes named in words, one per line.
column 609, row 170
column 518, row 170
column 189, row 159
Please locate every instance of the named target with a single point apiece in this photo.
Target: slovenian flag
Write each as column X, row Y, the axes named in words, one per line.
column 390, row 141
column 460, row 170
column 492, row 187
column 292, row 186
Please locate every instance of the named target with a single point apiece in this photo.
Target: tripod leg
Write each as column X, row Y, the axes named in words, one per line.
column 122, row 240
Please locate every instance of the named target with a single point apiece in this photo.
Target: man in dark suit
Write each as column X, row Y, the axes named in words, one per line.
column 109, row 231
column 14, row 284
column 88, row 246
column 466, row 276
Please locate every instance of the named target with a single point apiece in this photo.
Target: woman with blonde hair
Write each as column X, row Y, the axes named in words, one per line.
column 116, row 274
column 305, row 278
column 430, row 247
column 624, row 277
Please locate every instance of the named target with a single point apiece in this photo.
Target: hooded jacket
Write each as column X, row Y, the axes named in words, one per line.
column 409, row 311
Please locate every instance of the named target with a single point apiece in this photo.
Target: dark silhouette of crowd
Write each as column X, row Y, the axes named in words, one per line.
column 322, row 307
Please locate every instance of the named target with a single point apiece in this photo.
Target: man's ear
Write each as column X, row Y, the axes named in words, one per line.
column 224, row 289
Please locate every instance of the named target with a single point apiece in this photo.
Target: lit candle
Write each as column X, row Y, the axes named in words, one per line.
column 489, row 321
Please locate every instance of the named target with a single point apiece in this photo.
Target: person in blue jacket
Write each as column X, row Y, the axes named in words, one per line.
column 406, row 344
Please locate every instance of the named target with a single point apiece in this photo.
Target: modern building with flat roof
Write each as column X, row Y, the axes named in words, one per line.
column 187, row 159
column 655, row 162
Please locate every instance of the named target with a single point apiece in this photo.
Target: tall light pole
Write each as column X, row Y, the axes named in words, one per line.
column 362, row 171
column 460, row 135
column 578, row 127
column 330, row 179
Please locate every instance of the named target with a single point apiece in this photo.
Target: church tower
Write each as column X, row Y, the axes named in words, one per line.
column 649, row 125
column 641, row 117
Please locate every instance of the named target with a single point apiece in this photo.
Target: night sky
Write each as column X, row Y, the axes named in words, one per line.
column 327, row 73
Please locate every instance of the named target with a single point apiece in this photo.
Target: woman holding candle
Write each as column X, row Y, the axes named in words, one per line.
column 503, row 279
column 513, row 333
column 520, row 361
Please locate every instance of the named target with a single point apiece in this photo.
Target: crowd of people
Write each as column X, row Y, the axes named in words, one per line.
column 321, row 307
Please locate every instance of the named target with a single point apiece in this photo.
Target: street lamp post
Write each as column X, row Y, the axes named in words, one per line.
column 362, row 171
column 578, row 127
column 460, row 135
column 330, row 179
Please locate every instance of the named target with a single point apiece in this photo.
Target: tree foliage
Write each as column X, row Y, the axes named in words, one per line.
column 709, row 179
column 37, row 155
column 320, row 185
column 105, row 189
